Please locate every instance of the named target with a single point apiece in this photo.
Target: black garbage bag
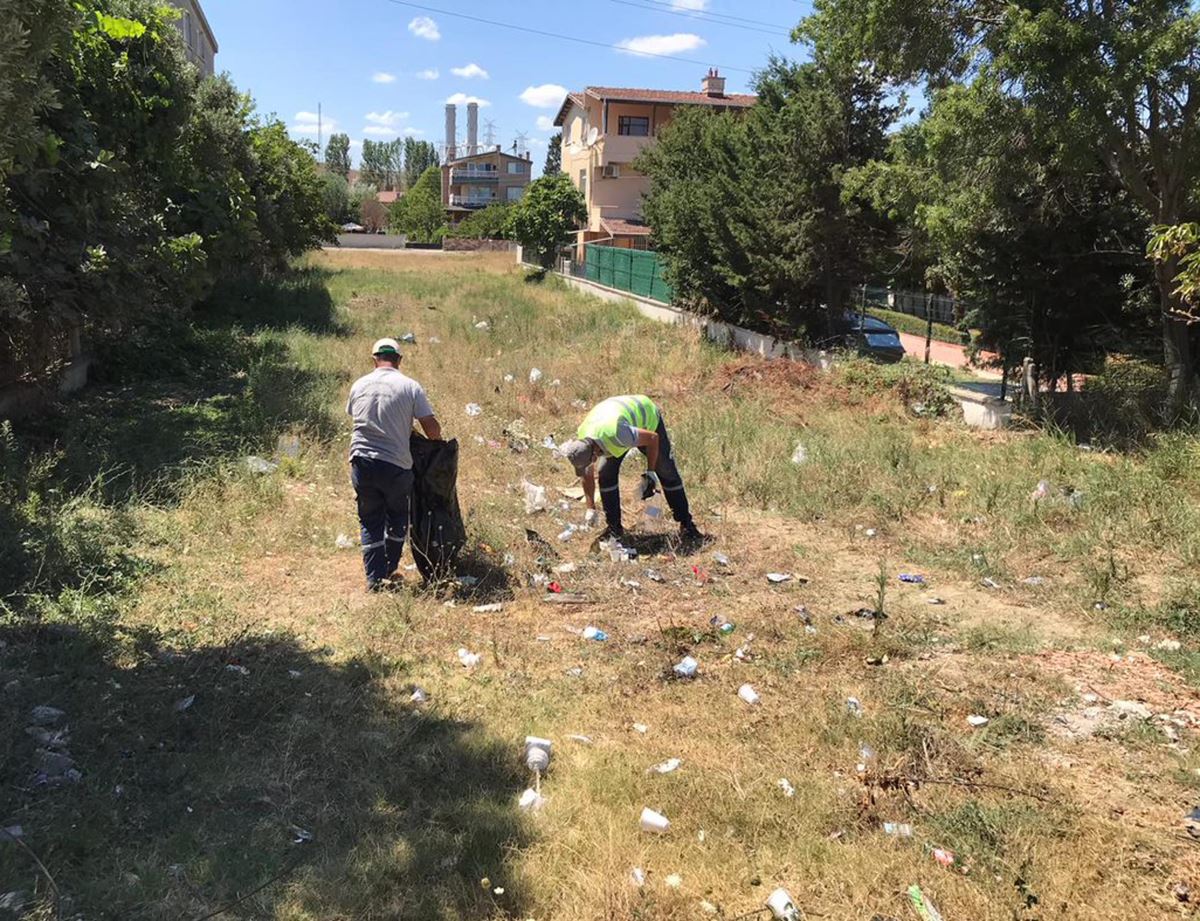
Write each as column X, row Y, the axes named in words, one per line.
column 436, row 531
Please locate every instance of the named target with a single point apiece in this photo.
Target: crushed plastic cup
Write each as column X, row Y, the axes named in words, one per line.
column 898, row 829
column 531, row 801
column 782, row 907
column 666, row 767
column 800, row 455
column 637, row 876
column 419, row 695
column 509, row 379
column 474, row 409
column 567, row 533
column 726, row 628
column 594, row 633
column 786, row 786
column 977, row 722
column 494, row 608
column 854, row 706
column 748, row 694
column 343, row 542
column 912, row 578
column 721, row 559
column 467, row 658
column 686, row 667
column 410, row 338
column 778, row 578
column 483, row 324
column 654, row 822
column 535, row 375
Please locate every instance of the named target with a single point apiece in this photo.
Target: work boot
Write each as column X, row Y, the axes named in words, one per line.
column 611, row 533
column 692, row 536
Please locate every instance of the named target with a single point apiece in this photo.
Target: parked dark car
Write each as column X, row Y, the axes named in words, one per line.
column 870, row 337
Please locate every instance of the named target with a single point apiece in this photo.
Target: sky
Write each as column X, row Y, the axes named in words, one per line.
column 384, row 69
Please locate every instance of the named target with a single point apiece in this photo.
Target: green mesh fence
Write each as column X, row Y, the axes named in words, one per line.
column 636, row 271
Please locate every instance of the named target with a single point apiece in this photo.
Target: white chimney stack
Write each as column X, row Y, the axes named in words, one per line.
column 451, row 132
column 472, row 128
column 714, row 83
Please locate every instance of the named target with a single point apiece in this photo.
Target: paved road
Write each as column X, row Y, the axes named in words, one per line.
column 946, row 353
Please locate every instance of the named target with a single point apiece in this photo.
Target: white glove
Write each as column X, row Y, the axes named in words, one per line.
column 591, row 517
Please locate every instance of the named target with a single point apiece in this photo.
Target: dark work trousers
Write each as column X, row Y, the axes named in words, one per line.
column 668, row 477
column 384, row 492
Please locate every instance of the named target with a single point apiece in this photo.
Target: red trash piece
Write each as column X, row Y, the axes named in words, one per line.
column 555, row 588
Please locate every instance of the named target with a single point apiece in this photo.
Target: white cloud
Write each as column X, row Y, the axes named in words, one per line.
column 427, row 74
column 307, row 123
column 689, row 4
column 662, row 44
column 426, row 28
column 382, row 77
column 545, row 123
column 470, row 71
column 380, row 131
column 388, row 119
column 414, row 132
column 546, row 96
column 461, row 99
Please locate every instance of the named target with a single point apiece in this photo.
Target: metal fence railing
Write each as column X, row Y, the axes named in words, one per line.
column 915, row 303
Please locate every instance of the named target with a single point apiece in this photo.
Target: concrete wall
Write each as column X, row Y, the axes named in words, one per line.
column 457, row 245
column 370, row 241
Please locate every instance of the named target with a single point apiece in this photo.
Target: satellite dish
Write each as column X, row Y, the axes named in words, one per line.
column 593, row 135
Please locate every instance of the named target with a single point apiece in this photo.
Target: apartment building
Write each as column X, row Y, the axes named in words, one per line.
column 604, row 129
column 474, row 178
column 197, row 35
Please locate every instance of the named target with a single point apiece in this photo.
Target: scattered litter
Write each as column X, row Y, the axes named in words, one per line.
column 419, row 695
column 582, row 740
column 800, row 455
column 1168, row 645
column 870, row 532
column 978, row 721
column 1182, row 892
column 535, row 375
column 778, row 578
column 469, row 659
column 551, row 445
column 708, row 907
column 654, row 576
column 509, row 379
column 554, row 588
column 653, row 511
column 654, row 822
column 594, row 633
column 924, row 908
column 410, row 338
column 945, row 858
column 494, row 608
column 854, row 706
column 468, row 581
column 567, row 533
column 1033, row 581
column 238, row 669
column 786, row 786
column 674, row 881
column 294, row 673
column 898, row 829
column 641, row 727
column 301, row 836
column 686, row 667
column 876, row 660
column 13, row 832
column 721, row 559
column 630, row 583
column 748, row 694
column 637, row 876
column 1042, row 491
column 866, row 757
column 668, row 766
column 565, row 568
column 537, row 754
column 934, row 600
column 474, row 409
column 483, row 324
column 556, row 382
column 912, row 578
column 989, row 583
column 260, row 465
column 434, row 340
column 531, row 801
column 185, row 703
column 782, row 907
column 701, row 574
column 288, row 446
column 343, row 542
column 575, row 672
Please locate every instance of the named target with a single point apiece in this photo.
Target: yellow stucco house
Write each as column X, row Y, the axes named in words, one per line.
column 604, row 129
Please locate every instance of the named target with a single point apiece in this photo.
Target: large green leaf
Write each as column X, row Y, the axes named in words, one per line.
column 118, row 28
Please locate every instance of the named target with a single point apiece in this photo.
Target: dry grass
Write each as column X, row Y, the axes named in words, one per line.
column 410, row 807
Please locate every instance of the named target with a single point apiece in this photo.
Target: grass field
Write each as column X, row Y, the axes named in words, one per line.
column 240, row 711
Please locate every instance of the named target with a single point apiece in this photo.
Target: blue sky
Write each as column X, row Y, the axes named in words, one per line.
column 382, row 69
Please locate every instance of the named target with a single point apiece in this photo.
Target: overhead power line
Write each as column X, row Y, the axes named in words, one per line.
column 564, row 38
column 699, row 17
column 667, row 6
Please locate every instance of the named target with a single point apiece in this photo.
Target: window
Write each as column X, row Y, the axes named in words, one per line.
column 189, row 34
column 515, row 193
column 635, row 125
column 516, row 168
column 583, row 183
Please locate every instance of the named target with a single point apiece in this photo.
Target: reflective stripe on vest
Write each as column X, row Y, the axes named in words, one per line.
column 601, row 423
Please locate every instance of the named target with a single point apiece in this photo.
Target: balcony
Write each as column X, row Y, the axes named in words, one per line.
column 622, row 148
column 460, row 175
column 472, row 201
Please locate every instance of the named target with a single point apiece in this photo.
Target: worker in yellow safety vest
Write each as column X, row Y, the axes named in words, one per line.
column 606, row 435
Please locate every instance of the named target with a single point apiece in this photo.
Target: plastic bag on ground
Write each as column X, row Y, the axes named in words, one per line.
column 536, row 499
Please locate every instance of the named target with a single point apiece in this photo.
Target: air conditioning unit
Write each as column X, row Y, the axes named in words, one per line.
column 612, row 171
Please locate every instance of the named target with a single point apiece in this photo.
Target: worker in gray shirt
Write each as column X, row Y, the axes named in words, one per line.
column 383, row 405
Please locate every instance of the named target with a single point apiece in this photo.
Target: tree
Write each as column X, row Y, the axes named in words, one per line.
column 418, row 157
column 337, row 155
column 336, row 193
column 747, row 209
column 490, row 223
column 553, row 156
column 381, row 163
column 419, row 214
column 1121, row 78
column 543, row 220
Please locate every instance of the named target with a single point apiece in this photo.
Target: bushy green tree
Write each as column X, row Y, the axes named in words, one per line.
column 1120, row 77
column 544, row 219
column 418, row 157
column 381, row 164
column 553, row 156
column 490, row 223
column 419, row 213
column 337, row 155
column 747, row 208
column 336, row 193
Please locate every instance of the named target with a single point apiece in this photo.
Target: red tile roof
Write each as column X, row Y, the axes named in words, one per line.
column 387, row 198
column 667, row 97
column 621, row 227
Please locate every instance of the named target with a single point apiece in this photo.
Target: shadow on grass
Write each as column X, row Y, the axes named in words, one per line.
column 184, row 807
column 171, row 399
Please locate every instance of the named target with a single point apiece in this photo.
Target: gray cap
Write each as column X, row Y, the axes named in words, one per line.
column 578, row 452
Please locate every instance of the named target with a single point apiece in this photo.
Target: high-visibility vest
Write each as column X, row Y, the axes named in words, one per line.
column 601, row 423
